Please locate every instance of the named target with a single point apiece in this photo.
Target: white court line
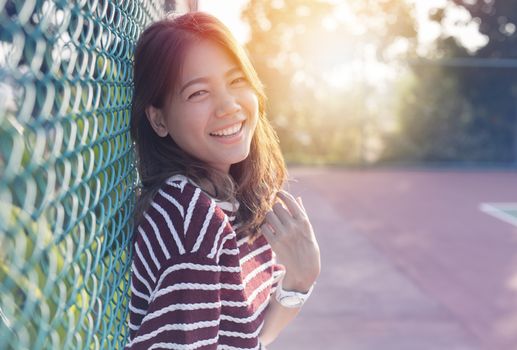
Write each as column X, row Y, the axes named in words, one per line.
column 497, row 210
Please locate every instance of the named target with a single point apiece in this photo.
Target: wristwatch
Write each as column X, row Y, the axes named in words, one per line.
column 291, row 299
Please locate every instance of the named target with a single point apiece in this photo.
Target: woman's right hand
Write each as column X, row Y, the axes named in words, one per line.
column 291, row 236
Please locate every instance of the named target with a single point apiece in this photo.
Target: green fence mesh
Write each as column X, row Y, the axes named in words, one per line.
column 67, row 172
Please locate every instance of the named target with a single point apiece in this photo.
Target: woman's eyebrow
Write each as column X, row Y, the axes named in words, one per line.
column 194, row 81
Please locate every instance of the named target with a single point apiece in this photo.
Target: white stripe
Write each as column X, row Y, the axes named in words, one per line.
column 198, row 286
column 234, row 251
column 208, row 217
column 277, row 275
column 144, row 262
column 226, row 238
column 190, row 266
column 242, row 335
column 132, row 326
column 149, row 247
column 158, row 236
column 177, row 178
column 229, row 347
column 257, row 270
column 231, row 269
column 234, row 303
column 136, row 310
column 138, row 293
column 196, row 267
column 188, row 307
column 173, row 201
column 190, row 209
column 174, row 184
column 227, row 206
column 219, row 232
column 176, row 326
column 247, row 319
column 140, row 278
column 182, row 179
column 242, row 240
column 254, row 253
column 256, row 292
column 171, row 227
column 250, row 299
column 499, row 211
column 192, row 346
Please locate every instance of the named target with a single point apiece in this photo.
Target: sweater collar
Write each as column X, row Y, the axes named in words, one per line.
column 230, row 207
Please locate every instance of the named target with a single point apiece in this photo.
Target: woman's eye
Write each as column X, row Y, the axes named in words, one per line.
column 197, row 93
column 239, row 80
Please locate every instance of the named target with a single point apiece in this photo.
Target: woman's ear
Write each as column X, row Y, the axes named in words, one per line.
column 157, row 120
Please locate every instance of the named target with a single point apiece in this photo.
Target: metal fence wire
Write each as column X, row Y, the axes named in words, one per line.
column 67, row 173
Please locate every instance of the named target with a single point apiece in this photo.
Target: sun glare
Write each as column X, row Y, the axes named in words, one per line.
column 229, row 12
column 457, row 23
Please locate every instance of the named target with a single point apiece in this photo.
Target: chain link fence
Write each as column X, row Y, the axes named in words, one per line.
column 67, row 173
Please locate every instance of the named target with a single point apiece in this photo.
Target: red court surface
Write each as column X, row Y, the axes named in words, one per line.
column 409, row 261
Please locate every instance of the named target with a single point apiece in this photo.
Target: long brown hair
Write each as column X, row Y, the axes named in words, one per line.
column 158, row 59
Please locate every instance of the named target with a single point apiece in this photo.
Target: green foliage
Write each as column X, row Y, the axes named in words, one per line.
column 462, row 113
column 428, row 133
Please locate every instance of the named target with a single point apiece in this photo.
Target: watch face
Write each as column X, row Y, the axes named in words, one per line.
column 291, row 301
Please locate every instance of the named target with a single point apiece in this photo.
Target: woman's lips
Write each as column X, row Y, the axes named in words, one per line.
column 231, row 138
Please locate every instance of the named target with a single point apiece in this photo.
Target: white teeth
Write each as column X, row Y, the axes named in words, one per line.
column 228, row 131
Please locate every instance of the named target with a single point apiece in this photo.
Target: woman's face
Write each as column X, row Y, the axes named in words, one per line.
column 214, row 110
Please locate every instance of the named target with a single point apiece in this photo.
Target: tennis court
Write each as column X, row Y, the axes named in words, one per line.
column 411, row 259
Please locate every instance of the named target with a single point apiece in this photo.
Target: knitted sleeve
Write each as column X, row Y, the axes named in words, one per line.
column 176, row 271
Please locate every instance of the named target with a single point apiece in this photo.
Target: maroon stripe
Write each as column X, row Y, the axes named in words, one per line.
column 186, row 297
column 238, row 342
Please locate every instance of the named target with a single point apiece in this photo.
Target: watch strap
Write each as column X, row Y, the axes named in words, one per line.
column 292, row 299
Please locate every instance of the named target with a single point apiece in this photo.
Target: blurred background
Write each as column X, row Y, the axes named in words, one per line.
column 398, row 120
column 385, row 81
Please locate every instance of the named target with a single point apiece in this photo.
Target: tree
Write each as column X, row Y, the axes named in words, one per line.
column 294, row 44
column 463, row 113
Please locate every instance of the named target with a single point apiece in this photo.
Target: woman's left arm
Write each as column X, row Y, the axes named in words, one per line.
column 290, row 234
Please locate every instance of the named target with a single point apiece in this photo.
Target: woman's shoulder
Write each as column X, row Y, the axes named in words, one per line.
column 188, row 218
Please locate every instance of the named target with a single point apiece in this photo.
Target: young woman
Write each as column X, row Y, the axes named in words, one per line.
column 211, row 215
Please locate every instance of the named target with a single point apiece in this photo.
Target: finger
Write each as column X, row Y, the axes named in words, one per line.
column 274, row 222
column 292, row 205
column 282, row 213
column 299, row 199
column 267, row 232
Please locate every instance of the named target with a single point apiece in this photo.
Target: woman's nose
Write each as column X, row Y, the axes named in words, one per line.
column 227, row 105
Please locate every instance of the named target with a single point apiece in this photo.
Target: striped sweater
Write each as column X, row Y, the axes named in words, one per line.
column 194, row 284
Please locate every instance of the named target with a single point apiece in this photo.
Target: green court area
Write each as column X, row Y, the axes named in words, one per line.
column 503, row 211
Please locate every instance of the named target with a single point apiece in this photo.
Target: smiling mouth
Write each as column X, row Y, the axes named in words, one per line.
column 230, row 131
